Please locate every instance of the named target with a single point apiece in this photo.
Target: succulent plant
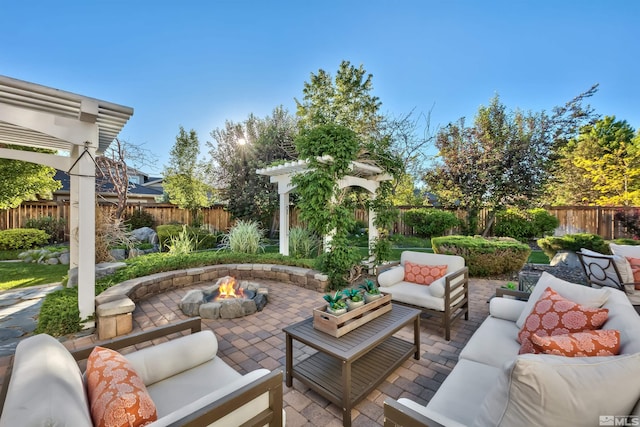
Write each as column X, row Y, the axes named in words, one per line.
column 353, row 294
column 370, row 287
column 335, row 301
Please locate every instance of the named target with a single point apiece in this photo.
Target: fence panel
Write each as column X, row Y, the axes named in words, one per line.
column 573, row 219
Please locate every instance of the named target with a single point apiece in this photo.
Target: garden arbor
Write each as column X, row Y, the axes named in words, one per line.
column 361, row 175
column 78, row 128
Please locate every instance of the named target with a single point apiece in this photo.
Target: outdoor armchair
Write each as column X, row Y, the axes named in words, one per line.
column 446, row 297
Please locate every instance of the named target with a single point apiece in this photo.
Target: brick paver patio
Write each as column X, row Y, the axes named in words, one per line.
column 257, row 341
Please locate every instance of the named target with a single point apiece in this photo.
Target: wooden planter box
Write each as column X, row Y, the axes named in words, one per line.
column 340, row 325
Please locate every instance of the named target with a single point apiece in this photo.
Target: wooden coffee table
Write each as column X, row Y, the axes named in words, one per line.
column 345, row 370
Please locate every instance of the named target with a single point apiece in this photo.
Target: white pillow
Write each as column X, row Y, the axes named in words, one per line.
column 621, row 263
column 625, row 251
column 543, row 389
column 583, row 295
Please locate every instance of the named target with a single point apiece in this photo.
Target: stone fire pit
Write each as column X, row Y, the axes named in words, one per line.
column 215, row 301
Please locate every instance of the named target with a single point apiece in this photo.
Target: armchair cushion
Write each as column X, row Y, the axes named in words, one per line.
column 621, row 264
column 505, row 308
column 583, row 295
column 117, row 395
column 541, row 389
column 391, row 276
column 423, row 274
column 45, row 378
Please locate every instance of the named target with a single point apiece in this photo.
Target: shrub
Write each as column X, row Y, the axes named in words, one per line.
column 54, row 227
column 183, row 243
column 338, row 263
column 202, row 238
column 430, row 222
column 22, row 238
column 139, row 218
column 303, row 243
column 244, row 237
column 484, row 257
column 573, row 242
column 525, row 225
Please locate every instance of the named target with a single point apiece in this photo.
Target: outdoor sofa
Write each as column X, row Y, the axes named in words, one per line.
column 491, row 385
column 185, row 379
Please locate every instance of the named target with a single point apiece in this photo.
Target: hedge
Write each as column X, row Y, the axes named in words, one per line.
column 22, row 238
column 573, row 242
column 484, row 256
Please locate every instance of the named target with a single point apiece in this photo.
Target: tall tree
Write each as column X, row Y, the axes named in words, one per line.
column 184, row 179
column 114, row 166
column 504, row 159
column 601, row 166
column 20, row 181
column 240, row 149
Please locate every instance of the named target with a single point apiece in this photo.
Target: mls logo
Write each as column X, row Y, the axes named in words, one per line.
column 607, row 420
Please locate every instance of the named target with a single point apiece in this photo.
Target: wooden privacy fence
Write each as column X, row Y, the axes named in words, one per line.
column 573, row 219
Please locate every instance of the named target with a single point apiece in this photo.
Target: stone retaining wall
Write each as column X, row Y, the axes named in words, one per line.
column 143, row 287
column 115, row 305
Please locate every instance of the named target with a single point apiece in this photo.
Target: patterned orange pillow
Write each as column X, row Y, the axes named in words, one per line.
column 635, row 268
column 603, row 342
column 554, row 315
column 117, row 395
column 423, row 274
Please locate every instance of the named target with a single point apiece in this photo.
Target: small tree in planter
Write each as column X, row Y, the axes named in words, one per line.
column 336, row 305
column 354, row 298
column 371, row 291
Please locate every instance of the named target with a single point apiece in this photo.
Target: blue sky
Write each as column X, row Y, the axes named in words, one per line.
column 198, row 63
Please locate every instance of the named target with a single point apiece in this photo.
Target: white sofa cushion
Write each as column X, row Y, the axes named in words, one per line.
column 493, row 343
column 625, row 251
column 391, row 276
column 412, row 293
column 542, row 390
column 46, row 387
column 161, row 361
column 461, row 394
column 234, row 418
column 583, row 295
column 506, row 308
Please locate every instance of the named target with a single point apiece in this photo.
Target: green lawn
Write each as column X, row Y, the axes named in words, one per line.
column 20, row 275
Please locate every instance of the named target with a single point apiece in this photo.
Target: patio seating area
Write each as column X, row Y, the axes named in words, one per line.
column 257, row 341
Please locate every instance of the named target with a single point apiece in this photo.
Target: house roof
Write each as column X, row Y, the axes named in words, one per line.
column 105, row 187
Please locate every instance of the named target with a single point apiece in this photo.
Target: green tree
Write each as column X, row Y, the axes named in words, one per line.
column 20, row 181
column 240, row 149
column 602, row 165
column 504, row 159
column 184, row 180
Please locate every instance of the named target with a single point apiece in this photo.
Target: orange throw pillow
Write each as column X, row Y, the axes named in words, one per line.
column 603, row 342
column 117, row 395
column 423, row 274
column 554, row 315
column 635, row 268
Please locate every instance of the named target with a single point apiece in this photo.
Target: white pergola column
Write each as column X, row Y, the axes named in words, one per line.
column 83, row 234
column 284, row 223
column 74, row 197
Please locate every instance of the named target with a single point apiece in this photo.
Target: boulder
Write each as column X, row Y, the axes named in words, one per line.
column 191, row 302
column 145, row 235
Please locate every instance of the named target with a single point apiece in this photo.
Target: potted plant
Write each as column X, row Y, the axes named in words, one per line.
column 371, row 291
column 354, row 298
column 336, row 305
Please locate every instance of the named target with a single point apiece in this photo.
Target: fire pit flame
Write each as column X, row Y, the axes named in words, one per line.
column 228, row 290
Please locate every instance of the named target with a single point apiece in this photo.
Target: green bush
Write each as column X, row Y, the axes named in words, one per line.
column 202, row 238
column 139, row 218
column 54, row 227
column 485, row 257
column 244, row 237
column 22, row 238
column 573, row 242
column 430, row 222
column 524, row 225
column 338, row 262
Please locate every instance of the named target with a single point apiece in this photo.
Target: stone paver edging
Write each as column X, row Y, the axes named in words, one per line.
column 120, row 299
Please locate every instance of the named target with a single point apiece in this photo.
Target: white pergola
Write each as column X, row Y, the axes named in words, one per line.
column 361, row 175
column 78, row 127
